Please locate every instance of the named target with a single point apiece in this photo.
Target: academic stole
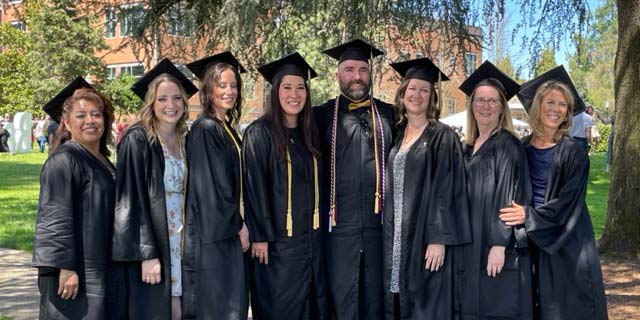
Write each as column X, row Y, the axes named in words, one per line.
column 316, row 191
column 378, row 156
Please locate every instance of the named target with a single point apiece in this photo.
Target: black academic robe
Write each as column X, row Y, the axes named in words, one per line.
column 569, row 278
column 434, row 212
column 354, row 247
column 140, row 226
column 214, row 284
column 73, row 231
column 294, row 280
column 497, row 174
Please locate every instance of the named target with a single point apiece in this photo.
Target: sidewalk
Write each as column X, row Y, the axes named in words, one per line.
column 19, row 296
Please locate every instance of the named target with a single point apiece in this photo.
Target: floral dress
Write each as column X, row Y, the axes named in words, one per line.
column 174, row 173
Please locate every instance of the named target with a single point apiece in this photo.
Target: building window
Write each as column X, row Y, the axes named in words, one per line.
column 111, row 72
column 419, row 55
column 470, row 62
column 249, row 88
column 131, row 20
column 110, row 20
column 451, row 106
column 178, row 21
column 404, row 55
column 187, row 73
column 136, row 70
column 19, row 24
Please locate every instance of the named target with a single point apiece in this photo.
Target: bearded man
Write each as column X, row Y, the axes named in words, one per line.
column 356, row 133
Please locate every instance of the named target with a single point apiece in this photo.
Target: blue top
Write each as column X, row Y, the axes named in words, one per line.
column 539, row 163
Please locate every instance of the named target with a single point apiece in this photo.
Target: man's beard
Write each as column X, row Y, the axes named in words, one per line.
column 354, row 94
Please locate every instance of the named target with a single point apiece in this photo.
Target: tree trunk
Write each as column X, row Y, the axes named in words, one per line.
column 622, row 229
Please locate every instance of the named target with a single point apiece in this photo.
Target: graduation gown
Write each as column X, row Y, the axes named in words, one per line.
column 140, row 226
column 354, row 247
column 496, row 175
column 214, row 284
column 294, row 279
column 73, row 231
column 434, row 212
column 569, row 278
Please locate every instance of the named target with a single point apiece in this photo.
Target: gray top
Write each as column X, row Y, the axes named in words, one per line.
column 398, row 197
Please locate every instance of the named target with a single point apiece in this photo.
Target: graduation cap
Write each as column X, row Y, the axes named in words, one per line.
column 292, row 64
column 422, row 68
column 353, row 50
column 54, row 107
column 141, row 86
column 529, row 88
column 200, row 67
column 487, row 71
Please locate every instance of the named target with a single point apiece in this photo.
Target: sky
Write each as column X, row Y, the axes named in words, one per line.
column 520, row 56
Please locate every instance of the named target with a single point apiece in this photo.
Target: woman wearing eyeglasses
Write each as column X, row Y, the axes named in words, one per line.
column 494, row 271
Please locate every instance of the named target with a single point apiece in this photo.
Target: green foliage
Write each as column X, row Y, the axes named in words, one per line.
column 14, row 66
column 605, row 133
column 119, row 92
column 598, row 193
column 547, row 61
column 592, row 64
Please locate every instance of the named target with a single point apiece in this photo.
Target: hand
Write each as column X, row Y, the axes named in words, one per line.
column 495, row 261
column 514, row 215
column 68, row 284
column 434, row 257
column 260, row 250
column 244, row 237
column 151, row 271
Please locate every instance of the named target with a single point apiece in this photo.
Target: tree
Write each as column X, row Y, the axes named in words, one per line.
column 15, row 95
column 546, row 62
column 118, row 90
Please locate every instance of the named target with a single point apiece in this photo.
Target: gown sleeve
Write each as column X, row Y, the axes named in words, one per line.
column 54, row 244
column 512, row 184
column 447, row 219
column 551, row 224
column 133, row 236
column 256, row 156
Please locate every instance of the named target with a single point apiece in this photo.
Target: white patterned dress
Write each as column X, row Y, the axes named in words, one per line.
column 174, row 172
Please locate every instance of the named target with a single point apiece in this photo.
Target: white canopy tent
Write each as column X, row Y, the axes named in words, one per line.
column 460, row 119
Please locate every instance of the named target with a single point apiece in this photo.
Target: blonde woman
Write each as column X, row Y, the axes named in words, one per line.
column 150, row 190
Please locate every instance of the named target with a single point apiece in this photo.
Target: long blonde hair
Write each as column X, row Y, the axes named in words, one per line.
column 534, row 112
column 504, row 120
column 147, row 116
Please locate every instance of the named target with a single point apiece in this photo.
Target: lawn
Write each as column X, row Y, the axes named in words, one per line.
column 19, row 197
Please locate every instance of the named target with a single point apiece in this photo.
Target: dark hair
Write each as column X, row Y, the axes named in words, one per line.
column 433, row 110
column 210, row 80
column 275, row 116
column 102, row 102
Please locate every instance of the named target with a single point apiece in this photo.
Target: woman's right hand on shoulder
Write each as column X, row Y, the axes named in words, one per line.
column 151, row 271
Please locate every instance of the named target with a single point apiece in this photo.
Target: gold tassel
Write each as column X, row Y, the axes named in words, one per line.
column 289, row 225
column 316, row 192
column 376, row 205
column 333, row 215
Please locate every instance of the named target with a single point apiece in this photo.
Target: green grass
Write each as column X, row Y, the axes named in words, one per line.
column 19, row 182
column 598, row 193
column 19, row 186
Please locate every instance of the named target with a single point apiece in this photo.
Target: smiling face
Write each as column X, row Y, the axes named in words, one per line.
column 225, row 93
column 354, row 77
column 85, row 122
column 168, row 106
column 487, row 106
column 417, row 96
column 553, row 110
column 293, row 95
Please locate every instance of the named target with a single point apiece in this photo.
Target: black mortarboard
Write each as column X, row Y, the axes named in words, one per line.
column 488, row 71
column 354, row 50
column 422, row 68
column 200, row 67
column 141, row 86
column 54, row 107
column 529, row 88
column 292, row 64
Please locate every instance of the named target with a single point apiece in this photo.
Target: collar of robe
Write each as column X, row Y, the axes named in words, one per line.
column 237, row 145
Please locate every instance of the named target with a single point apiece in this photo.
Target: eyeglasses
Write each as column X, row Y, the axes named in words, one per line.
column 479, row 102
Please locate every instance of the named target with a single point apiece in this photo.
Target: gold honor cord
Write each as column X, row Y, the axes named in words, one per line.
column 376, row 204
column 316, row 190
column 226, row 128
